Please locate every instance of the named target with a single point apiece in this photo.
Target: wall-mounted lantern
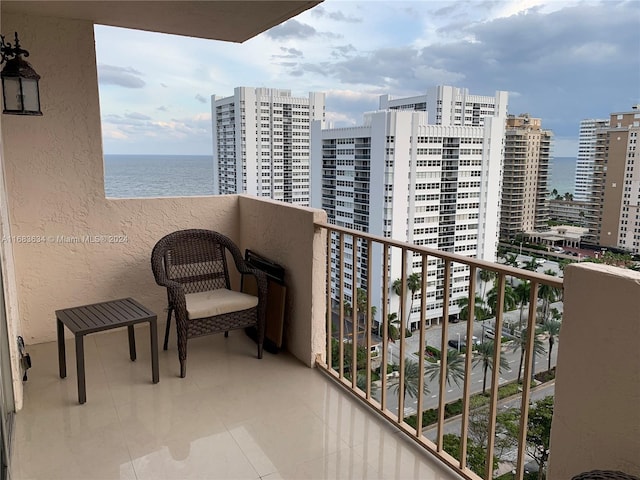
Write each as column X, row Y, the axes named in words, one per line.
column 20, row 93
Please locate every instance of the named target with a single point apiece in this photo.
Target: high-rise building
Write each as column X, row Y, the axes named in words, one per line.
column 447, row 105
column 261, row 142
column 398, row 176
column 525, row 176
column 586, row 157
column 617, row 165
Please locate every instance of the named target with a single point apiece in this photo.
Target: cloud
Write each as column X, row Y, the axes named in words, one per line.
column 201, row 98
column 338, row 16
column 291, row 29
column 140, row 127
column 295, row 30
column 162, row 108
column 122, row 76
column 289, row 53
column 137, row 116
column 343, row 50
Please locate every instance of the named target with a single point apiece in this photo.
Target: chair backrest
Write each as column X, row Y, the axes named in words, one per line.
column 195, row 258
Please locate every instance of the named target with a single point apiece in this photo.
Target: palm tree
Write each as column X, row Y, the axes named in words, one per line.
column 484, row 357
column 511, row 260
column 411, row 380
column 361, row 302
column 396, row 287
column 531, row 265
column 486, row 276
column 510, row 299
column 547, row 294
column 521, row 345
column 522, row 293
column 479, row 311
column 393, row 324
column 414, row 283
column 454, row 370
column 552, row 328
column 347, row 308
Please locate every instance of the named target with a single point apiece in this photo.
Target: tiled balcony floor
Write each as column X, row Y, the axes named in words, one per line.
column 233, row 416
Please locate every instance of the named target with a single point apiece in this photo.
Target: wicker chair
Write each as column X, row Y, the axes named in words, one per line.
column 604, row 475
column 192, row 265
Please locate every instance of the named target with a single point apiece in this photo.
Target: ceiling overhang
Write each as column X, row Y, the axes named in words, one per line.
column 232, row 21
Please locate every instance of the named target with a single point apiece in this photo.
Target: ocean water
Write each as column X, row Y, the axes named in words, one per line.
column 562, row 175
column 127, row 176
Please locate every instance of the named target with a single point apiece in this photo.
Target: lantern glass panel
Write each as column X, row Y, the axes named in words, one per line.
column 12, row 97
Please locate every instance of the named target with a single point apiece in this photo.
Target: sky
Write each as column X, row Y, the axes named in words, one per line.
column 560, row 60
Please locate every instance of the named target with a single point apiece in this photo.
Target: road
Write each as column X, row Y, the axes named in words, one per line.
column 458, row 330
column 454, row 391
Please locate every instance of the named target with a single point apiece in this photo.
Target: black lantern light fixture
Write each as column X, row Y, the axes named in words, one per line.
column 20, row 93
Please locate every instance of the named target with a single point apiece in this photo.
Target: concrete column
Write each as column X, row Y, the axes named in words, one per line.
column 596, row 422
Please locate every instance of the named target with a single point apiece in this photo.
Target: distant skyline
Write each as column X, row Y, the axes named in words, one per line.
column 562, row 61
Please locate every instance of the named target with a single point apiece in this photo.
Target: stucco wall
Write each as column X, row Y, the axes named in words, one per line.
column 54, row 176
column 596, row 421
column 64, row 226
column 288, row 237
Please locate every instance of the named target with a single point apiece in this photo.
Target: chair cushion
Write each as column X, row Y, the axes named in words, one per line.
column 218, row 302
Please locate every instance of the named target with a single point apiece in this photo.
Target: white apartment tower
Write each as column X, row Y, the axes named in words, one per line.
column 261, row 142
column 586, row 157
column 447, row 105
column 398, row 176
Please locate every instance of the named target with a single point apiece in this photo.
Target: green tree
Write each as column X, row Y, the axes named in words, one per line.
column 522, row 291
column 531, row 264
column 551, row 327
column 486, row 276
column 361, row 303
column 396, row 287
column 512, row 260
column 521, row 344
column 539, row 433
column 484, row 357
column 454, row 369
column 411, row 380
column 507, row 427
column 361, row 355
column 414, row 283
column 509, row 303
column 347, row 308
column 393, row 326
column 476, row 454
column 547, row 294
column 479, row 311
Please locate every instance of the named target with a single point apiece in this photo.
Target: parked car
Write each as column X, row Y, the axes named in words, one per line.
column 489, row 333
column 540, row 261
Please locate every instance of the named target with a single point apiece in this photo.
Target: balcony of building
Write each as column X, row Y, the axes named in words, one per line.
column 234, row 416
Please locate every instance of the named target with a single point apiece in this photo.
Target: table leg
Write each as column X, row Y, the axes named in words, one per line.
column 153, row 329
column 62, row 354
column 82, row 387
column 132, row 343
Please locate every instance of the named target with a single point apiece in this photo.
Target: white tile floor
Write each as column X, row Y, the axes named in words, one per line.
column 233, row 416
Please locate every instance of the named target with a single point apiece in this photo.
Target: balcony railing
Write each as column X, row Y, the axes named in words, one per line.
column 385, row 251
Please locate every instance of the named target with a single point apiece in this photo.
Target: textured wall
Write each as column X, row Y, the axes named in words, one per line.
column 288, row 237
column 67, row 255
column 596, row 420
column 54, row 177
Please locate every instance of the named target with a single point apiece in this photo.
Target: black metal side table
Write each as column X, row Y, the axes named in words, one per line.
column 98, row 317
